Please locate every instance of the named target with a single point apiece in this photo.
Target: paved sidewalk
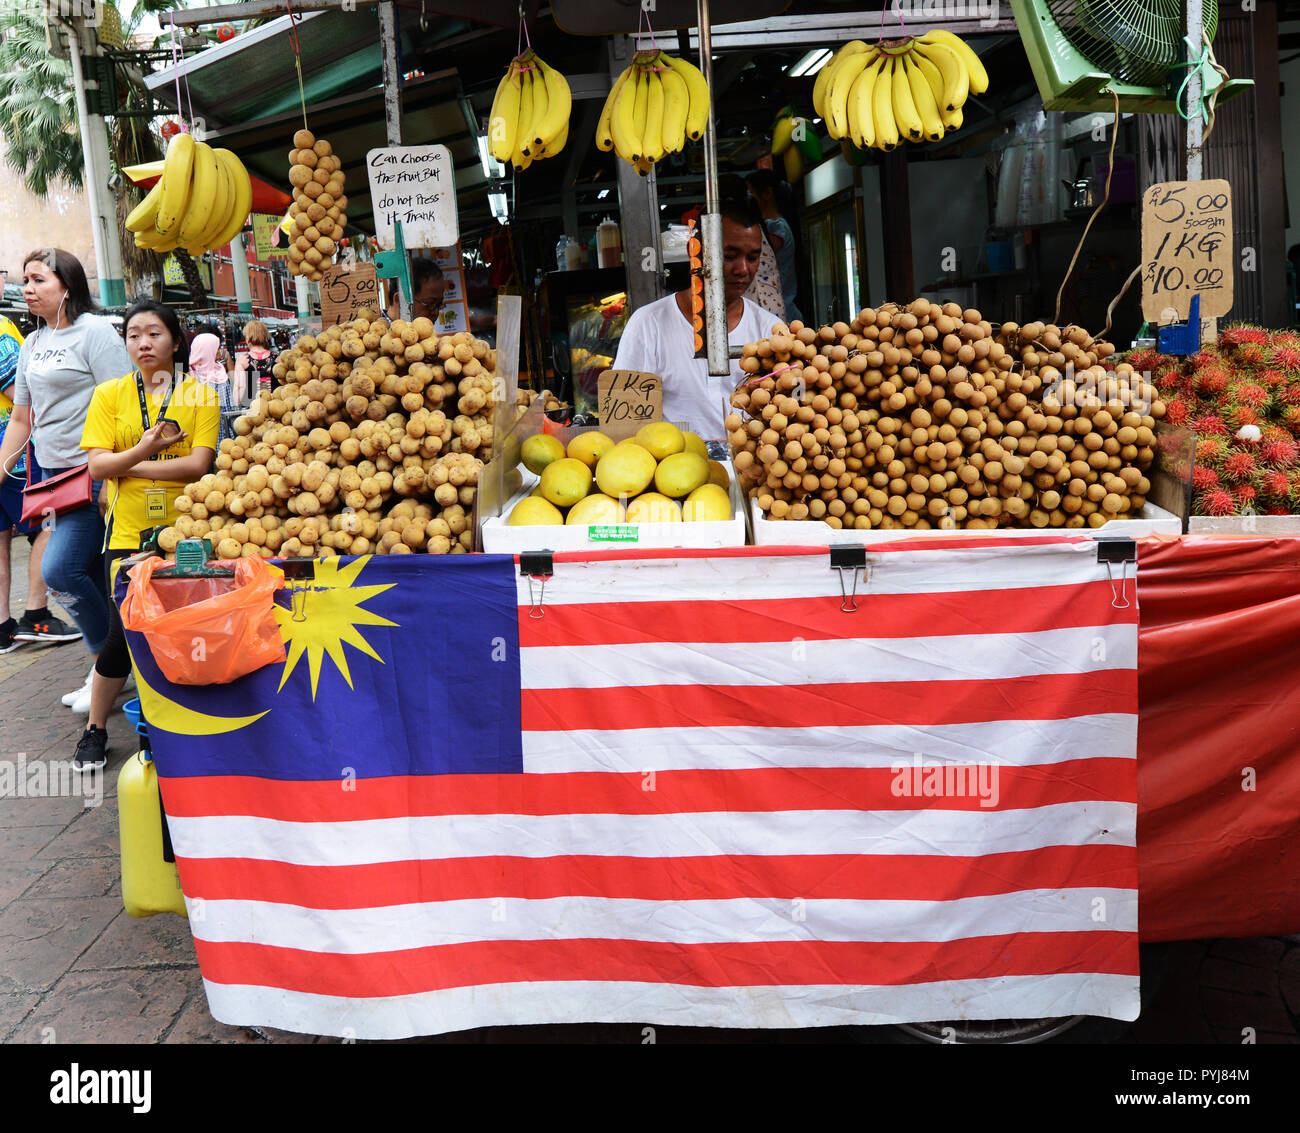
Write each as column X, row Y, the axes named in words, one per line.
column 74, row 967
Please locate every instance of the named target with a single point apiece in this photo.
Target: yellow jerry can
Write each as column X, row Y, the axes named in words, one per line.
column 150, row 883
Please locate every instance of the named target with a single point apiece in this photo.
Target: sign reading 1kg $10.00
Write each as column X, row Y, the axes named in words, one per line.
column 415, row 185
column 1186, row 248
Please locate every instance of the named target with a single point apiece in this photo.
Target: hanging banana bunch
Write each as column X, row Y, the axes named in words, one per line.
column 906, row 90
column 530, row 113
column 653, row 107
column 796, row 142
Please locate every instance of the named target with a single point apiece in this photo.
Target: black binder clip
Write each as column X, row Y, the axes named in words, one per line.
column 537, row 566
column 851, row 558
column 1122, row 551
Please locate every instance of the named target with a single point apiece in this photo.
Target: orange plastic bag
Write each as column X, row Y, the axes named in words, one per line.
column 207, row 631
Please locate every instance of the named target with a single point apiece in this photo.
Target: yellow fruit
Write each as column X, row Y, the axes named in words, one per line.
column 625, row 470
column 718, row 475
column 539, row 451
column 660, row 439
column 532, row 511
column 589, row 447
column 695, row 444
column 653, row 508
column 565, row 481
column 596, row 508
column 707, row 504
column 681, row 473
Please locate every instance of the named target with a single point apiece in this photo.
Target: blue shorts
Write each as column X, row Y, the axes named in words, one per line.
column 11, row 503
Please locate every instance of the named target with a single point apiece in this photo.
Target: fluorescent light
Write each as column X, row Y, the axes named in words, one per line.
column 602, row 194
column 812, row 62
column 499, row 205
column 492, row 169
column 850, row 262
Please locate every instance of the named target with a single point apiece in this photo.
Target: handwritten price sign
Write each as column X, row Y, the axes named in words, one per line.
column 344, row 291
column 628, row 399
column 416, row 185
column 1186, row 248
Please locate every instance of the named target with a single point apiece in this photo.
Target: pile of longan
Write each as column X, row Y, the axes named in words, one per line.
column 372, row 442
column 929, row 416
column 319, row 210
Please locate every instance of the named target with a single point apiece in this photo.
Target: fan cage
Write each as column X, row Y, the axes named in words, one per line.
column 1137, row 42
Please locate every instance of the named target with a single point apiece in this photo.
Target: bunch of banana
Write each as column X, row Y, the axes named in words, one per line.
column 199, row 203
column 795, row 140
column 317, row 217
column 653, row 107
column 530, row 113
column 906, row 90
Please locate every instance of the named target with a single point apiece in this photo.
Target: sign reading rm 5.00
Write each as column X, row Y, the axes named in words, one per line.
column 346, row 290
column 1186, row 248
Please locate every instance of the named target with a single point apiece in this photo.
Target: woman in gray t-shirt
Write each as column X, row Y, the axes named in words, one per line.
column 72, row 350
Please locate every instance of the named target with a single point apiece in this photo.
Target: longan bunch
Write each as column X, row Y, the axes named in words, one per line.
column 370, row 421
column 318, row 212
column 549, row 401
column 928, row 416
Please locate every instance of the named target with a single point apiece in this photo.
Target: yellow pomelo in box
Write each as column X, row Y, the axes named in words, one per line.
column 660, row 439
column 695, row 444
column 680, row 474
column 596, row 508
column 532, row 511
column 565, row 481
column 653, row 508
column 707, row 504
column 718, row 475
column 625, row 470
column 540, row 450
column 589, row 448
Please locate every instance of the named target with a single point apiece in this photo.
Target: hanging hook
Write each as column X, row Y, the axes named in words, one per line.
column 424, row 23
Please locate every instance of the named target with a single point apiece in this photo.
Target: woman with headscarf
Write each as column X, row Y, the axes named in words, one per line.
column 206, row 365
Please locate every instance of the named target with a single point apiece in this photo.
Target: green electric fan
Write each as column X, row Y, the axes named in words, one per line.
column 1082, row 50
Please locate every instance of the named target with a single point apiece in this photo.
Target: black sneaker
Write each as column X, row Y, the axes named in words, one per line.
column 47, row 628
column 92, row 750
column 9, row 641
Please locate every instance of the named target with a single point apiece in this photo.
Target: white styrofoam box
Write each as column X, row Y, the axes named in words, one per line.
column 500, row 538
column 1149, row 520
column 1268, row 525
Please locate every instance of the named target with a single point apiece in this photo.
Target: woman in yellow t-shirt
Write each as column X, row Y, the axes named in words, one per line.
column 150, row 435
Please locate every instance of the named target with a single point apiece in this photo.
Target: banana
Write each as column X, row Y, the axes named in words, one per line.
column 556, row 144
column 933, row 78
column 882, row 108
column 520, row 152
column 826, row 76
column 652, row 134
column 622, row 123
column 956, row 79
column 837, row 94
column 909, row 121
column 979, row 77
column 532, row 140
column 677, row 104
column 503, row 125
column 242, row 189
column 781, row 135
column 223, row 200
column 697, row 117
column 862, row 127
column 639, row 113
column 141, row 217
column 644, row 166
column 604, row 132
column 559, row 104
column 923, row 100
column 793, row 164
column 177, row 167
column 203, row 192
column 952, row 119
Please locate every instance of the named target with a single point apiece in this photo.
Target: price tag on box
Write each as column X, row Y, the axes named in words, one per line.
column 628, row 399
column 1186, row 249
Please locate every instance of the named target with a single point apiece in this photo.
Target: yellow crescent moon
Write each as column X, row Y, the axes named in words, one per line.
column 164, row 713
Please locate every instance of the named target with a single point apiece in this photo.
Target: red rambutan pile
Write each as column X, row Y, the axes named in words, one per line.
column 1217, row 502
column 1245, row 495
column 1239, row 467
column 1238, row 336
column 1273, row 380
column 1144, row 360
column 1238, row 415
column 1210, row 450
column 1287, row 357
column 1274, row 485
column 1177, row 411
column 1291, row 415
column 1210, row 424
column 1205, row 479
column 1250, row 394
column 1212, row 381
column 1253, row 354
column 1278, row 453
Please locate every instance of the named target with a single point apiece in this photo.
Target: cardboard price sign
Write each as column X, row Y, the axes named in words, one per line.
column 346, row 290
column 1186, row 248
column 628, row 399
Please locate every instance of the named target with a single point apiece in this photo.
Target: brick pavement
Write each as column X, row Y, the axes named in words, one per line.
column 74, row 967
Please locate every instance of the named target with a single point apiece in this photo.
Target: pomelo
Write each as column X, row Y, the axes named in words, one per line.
column 681, row 473
column 707, row 504
column 532, row 511
column 660, row 439
column 653, row 508
column 540, row 450
column 625, row 470
column 589, row 447
column 596, row 508
column 565, row 481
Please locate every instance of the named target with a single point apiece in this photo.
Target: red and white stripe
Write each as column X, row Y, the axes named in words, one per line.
column 709, row 829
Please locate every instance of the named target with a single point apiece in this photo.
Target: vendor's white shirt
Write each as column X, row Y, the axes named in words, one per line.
column 658, row 340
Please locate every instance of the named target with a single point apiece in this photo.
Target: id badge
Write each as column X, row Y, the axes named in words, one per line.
column 155, row 504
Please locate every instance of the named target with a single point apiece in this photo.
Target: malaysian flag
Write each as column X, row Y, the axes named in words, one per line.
column 677, row 787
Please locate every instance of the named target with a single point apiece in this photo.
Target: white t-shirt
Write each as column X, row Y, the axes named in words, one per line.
column 658, row 340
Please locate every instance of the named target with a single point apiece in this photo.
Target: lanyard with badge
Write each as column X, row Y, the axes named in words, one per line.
column 155, row 499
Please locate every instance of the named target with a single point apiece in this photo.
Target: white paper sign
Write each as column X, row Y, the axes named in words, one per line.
column 416, row 185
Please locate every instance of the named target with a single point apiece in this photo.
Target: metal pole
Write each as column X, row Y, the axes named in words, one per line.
column 389, row 48
column 715, row 298
column 103, row 214
column 239, row 268
column 1195, row 126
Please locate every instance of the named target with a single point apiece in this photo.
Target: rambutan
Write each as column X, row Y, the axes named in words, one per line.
column 1279, row 452
column 1253, row 354
column 1216, row 502
column 1209, row 450
column 1144, row 360
column 1211, row 381
column 1242, row 335
column 1238, row 415
column 1275, row 485
column 1279, row 509
column 1210, row 424
column 1291, row 415
column 1245, row 495
column 1249, row 393
column 1239, row 467
column 1205, row 479
column 1177, row 411
column 1287, row 357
